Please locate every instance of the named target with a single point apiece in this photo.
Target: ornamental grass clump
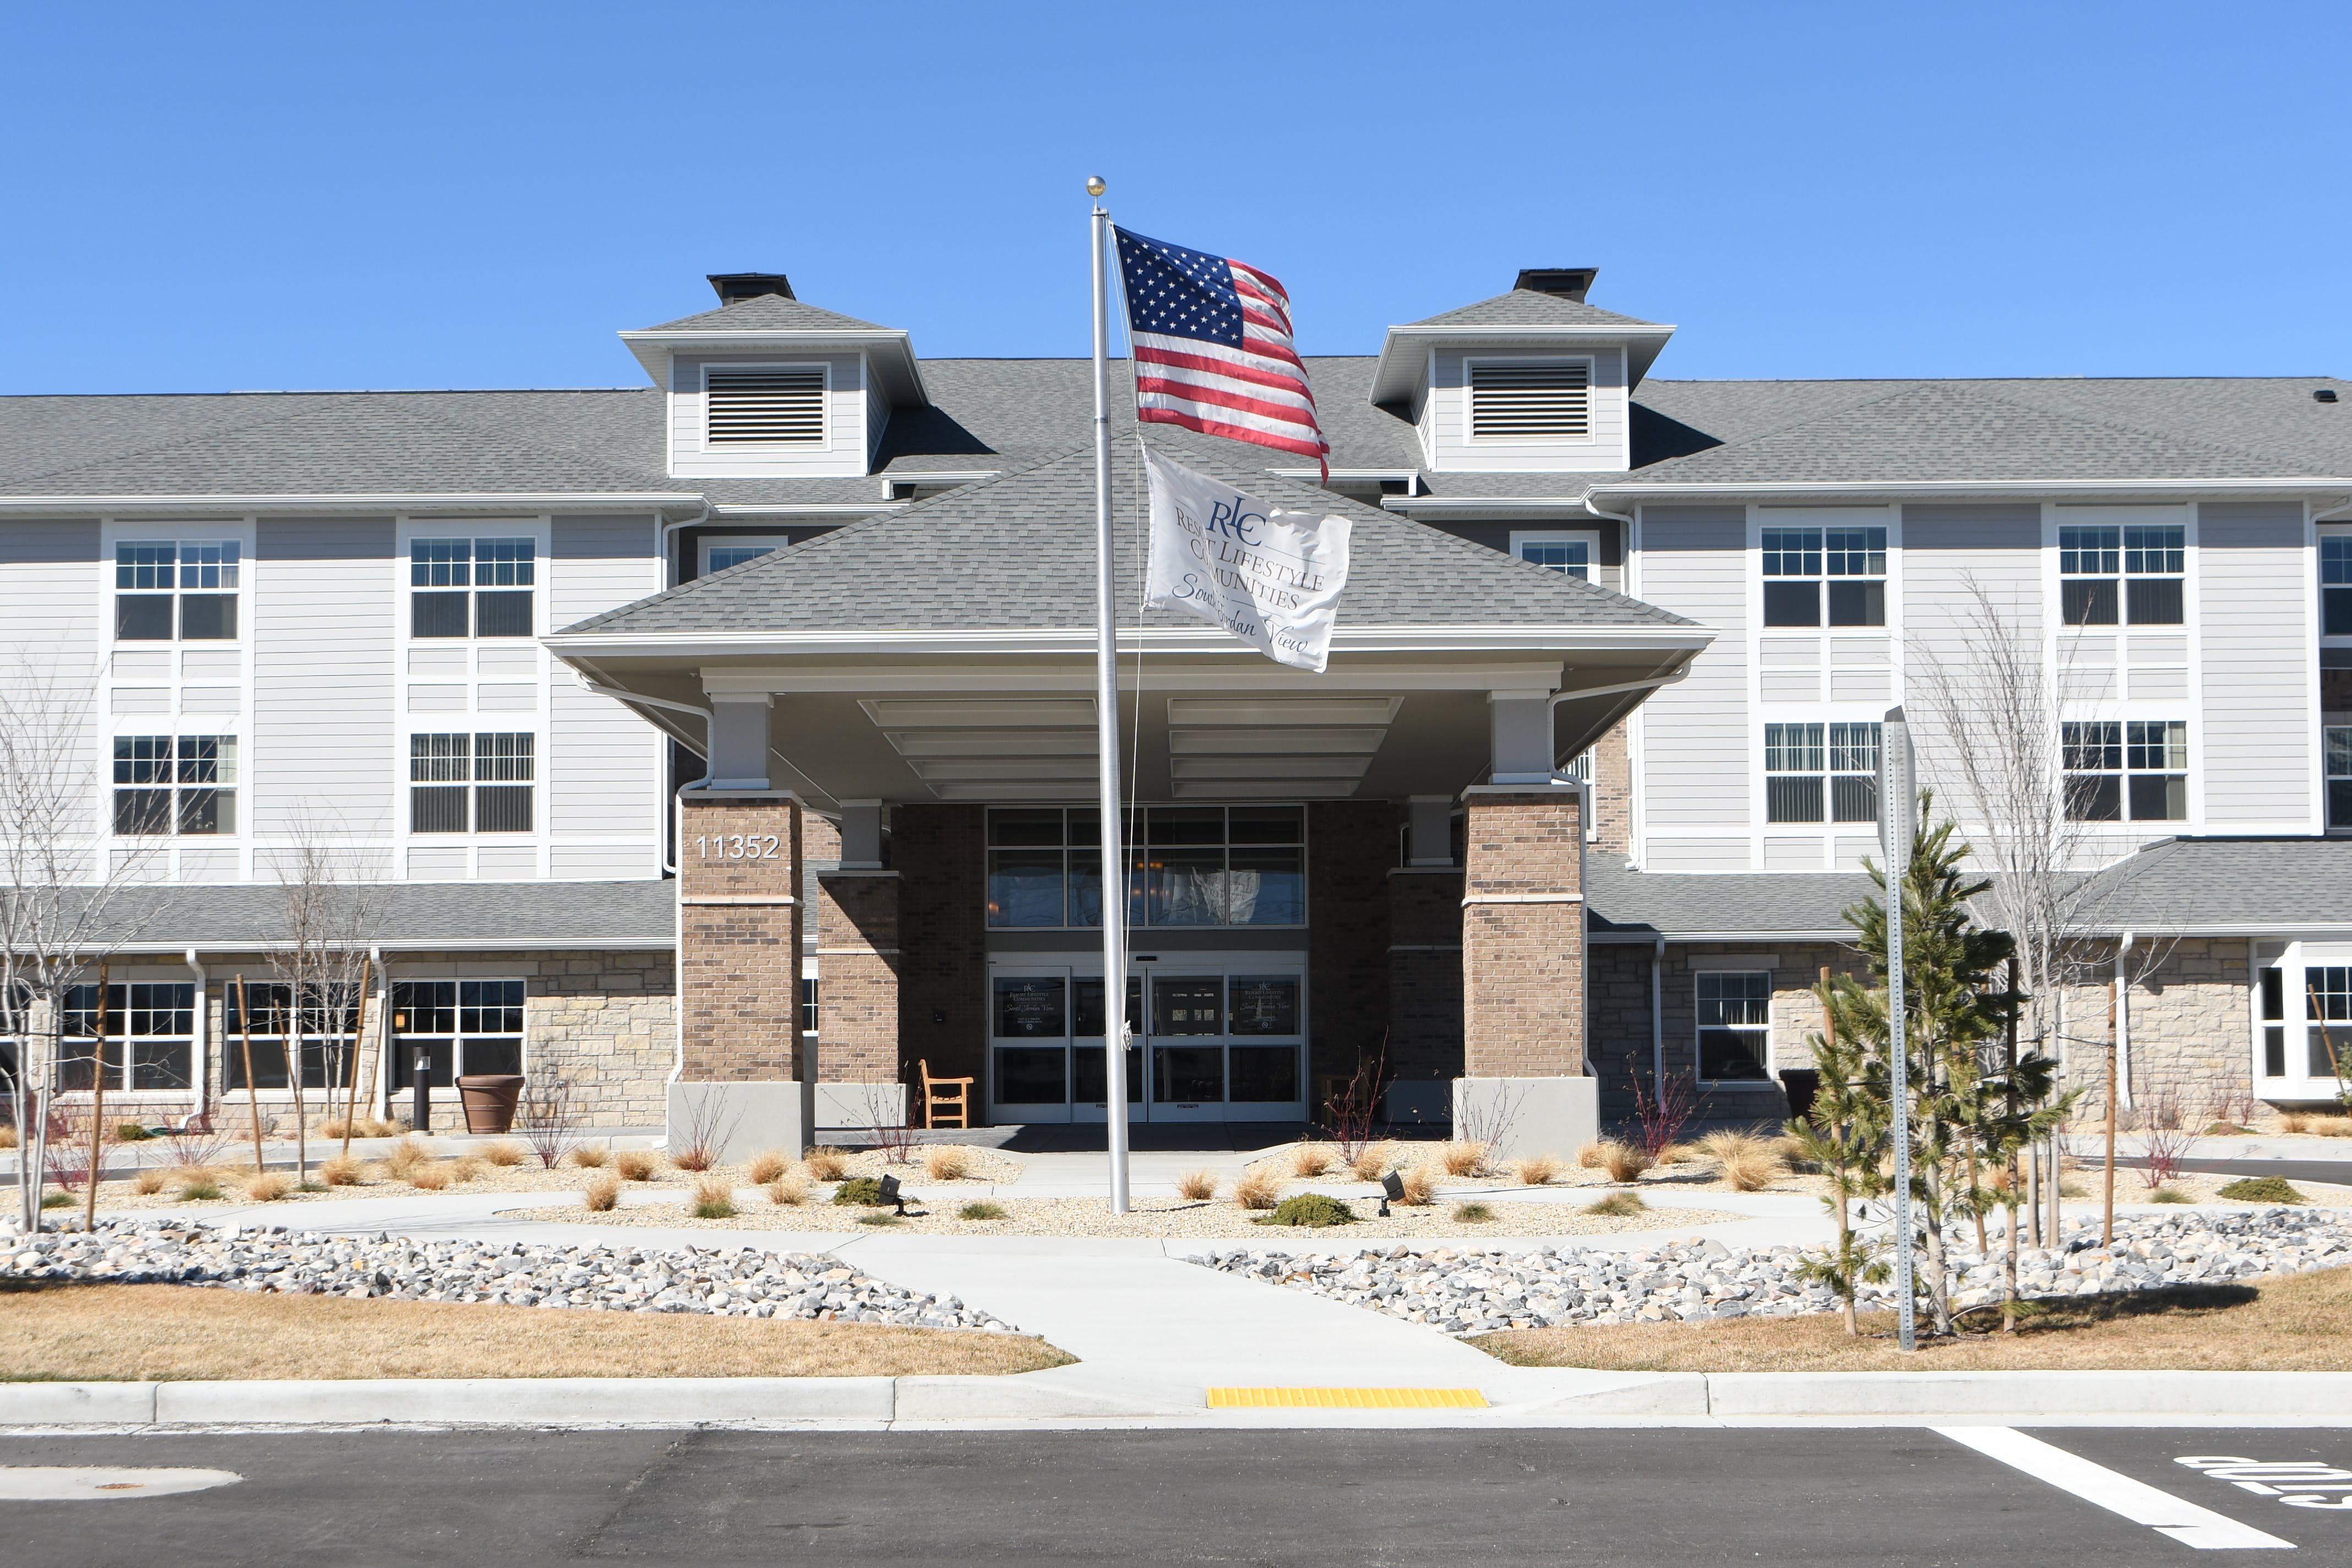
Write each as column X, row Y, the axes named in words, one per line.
column 505, row 1154
column 2263, row 1190
column 637, row 1164
column 202, row 1190
column 1473, row 1213
column 1199, row 1186
column 1623, row 1162
column 1616, row 1205
column 591, row 1156
column 824, row 1163
column 1309, row 1160
column 268, row 1186
column 1536, row 1170
column 148, row 1183
column 1258, row 1188
column 947, row 1163
column 1315, row 1209
column 1372, row 1163
column 433, row 1177
column 714, row 1198
column 603, row 1194
column 2169, row 1194
column 789, row 1191
column 343, row 1170
column 1746, row 1163
column 767, row 1165
column 405, row 1156
column 979, row 1211
column 1462, row 1157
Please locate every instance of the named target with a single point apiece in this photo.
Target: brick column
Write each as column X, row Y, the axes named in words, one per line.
column 857, row 996
column 738, row 973
column 1522, row 1006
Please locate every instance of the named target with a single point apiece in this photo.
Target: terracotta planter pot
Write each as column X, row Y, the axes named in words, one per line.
column 490, row 1100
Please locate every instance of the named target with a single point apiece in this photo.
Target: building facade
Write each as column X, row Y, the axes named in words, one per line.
column 723, row 746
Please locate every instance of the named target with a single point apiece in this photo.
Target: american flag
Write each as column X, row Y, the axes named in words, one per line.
column 1213, row 349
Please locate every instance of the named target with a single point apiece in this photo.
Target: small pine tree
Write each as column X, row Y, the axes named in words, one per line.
column 1843, row 1131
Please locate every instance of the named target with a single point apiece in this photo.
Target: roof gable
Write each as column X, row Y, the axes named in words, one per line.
column 767, row 313
column 1529, row 307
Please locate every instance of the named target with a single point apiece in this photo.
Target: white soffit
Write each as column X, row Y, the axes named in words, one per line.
column 1003, row 749
column 1315, row 748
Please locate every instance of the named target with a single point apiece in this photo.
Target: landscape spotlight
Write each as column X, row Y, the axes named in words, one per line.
column 890, row 1193
column 1392, row 1191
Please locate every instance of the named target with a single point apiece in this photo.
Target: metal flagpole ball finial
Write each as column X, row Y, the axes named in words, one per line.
column 1096, row 185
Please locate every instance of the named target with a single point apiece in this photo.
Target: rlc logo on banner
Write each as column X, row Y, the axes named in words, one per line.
column 1271, row 577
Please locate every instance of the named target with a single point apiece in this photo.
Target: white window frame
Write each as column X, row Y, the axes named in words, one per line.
column 703, row 547
column 1588, row 538
column 2126, row 822
column 473, row 783
column 2341, row 533
column 1743, row 966
column 2295, row 961
column 703, row 443
column 126, row 727
column 118, row 1087
column 180, row 538
column 474, row 535
column 1592, row 437
column 1823, row 579
column 397, row 1059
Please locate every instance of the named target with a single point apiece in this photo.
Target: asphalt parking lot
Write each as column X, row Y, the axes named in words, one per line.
column 1671, row 1497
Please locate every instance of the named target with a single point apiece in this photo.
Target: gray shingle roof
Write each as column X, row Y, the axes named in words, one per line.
column 2228, row 886
column 767, row 313
column 1529, row 308
column 968, row 560
column 414, row 916
column 1731, row 906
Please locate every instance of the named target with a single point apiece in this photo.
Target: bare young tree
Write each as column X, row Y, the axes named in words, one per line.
column 321, row 961
column 60, row 915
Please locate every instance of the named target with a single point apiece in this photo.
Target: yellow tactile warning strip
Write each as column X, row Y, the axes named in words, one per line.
column 1347, row 1398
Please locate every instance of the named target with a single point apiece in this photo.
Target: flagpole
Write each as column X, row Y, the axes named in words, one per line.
column 1114, row 857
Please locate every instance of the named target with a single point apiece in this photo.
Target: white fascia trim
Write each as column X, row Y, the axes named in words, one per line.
column 810, row 509
column 653, row 349
column 420, row 501
column 1081, row 639
column 1450, row 506
column 1315, row 476
column 1964, row 488
column 665, row 942
column 1648, row 936
column 1394, row 379
column 946, row 476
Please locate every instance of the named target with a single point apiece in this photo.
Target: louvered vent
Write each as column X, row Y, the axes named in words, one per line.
column 1527, row 402
column 766, row 407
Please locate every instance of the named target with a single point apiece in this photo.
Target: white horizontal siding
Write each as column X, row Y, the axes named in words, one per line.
column 604, row 761
column 323, row 604
column 1949, row 554
column 2252, row 576
column 1696, row 743
column 1447, row 407
column 843, row 451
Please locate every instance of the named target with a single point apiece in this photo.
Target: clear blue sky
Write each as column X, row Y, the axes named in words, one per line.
column 205, row 197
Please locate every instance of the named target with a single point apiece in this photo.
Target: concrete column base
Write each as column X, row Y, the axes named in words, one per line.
column 741, row 1119
column 1521, row 1116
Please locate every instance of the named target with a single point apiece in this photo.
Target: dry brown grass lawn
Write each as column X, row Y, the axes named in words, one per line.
column 130, row 1332
column 2300, row 1322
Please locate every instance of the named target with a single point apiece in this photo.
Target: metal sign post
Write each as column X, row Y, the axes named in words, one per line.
column 1898, row 827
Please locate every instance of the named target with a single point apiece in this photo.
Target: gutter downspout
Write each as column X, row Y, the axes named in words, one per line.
column 381, row 1087
column 669, row 541
column 2123, row 1022
column 203, row 1040
column 1657, row 1016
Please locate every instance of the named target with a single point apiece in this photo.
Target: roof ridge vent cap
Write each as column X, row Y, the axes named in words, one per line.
column 1566, row 282
column 734, row 286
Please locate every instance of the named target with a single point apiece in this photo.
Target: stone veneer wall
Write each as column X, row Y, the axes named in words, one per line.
column 2191, row 1023
column 941, row 854
column 1523, row 934
column 1351, row 845
column 1620, row 1017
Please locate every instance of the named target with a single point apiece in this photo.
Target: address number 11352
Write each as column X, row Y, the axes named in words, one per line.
column 738, row 846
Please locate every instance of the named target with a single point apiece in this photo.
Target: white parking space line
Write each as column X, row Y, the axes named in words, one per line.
column 2135, row 1500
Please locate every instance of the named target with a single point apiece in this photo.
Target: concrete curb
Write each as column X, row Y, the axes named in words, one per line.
column 1524, row 1398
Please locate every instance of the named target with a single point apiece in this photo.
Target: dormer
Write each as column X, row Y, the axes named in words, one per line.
column 1532, row 381
column 767, row 388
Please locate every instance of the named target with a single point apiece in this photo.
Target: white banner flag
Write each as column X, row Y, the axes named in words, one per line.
column 1271, row 577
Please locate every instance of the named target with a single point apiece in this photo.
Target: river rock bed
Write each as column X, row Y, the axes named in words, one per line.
column 814, row 1286
column 1472, row 1291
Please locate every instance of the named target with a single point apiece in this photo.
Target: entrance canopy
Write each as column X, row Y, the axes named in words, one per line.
column 945, row 653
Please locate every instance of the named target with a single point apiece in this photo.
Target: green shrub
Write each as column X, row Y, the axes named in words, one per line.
column 131, row 1132
column 879, row 1219
column 861, row 1191
column 1617, row 1204
column 2263, row 1190
column 2170, row 1196
column 714, row 1208
column 1309, row 1209
column 199, row 1191
column 1475, row 1214
column 979, row 1211
column 56, row 1200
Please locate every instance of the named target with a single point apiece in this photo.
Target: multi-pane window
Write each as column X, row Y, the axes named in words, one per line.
column 2338, row 746
column 809, row 1010
column 1735, row 1024
column 175, row 784
column 470, row 783
column 1821, row 773
column 2133, row 770
column 2335, row 583
column 461, row 1026
column 175, row 588
column 1564, row 553
column 2132, row 573
column 1825, row 576
column 722, row 556
column 1190, row 866
column 150, row 1037
column 2328, row 1012
column 2273, row 1005
column 471, row 587
column 328, row 1030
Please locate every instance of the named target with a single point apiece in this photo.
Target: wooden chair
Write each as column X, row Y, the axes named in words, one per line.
column 945, row 1095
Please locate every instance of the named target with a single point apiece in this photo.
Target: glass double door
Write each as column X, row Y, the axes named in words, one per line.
column 1214, row 1040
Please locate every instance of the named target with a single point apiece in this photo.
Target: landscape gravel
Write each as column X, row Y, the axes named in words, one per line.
column 1474, row 1291
column 744, row 1283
